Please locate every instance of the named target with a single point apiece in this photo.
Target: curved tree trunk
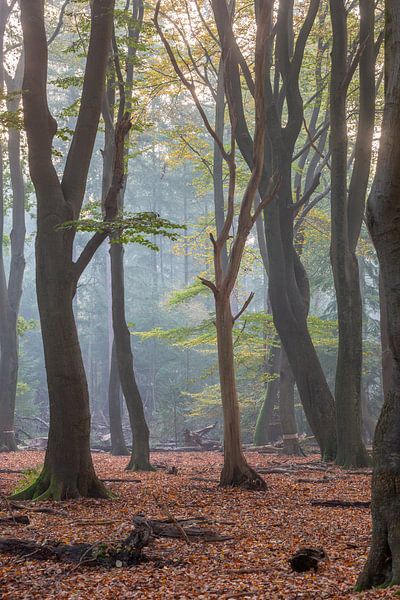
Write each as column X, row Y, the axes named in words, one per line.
column 287, row 414
column 140, row 459
column 68, row 469
column 118, row 446
column 383, row 564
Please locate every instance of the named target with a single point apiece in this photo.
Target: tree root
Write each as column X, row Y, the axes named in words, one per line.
column 243, row 477
column 48, row 487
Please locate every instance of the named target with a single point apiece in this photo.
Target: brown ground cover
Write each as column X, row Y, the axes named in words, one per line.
column 266, row 529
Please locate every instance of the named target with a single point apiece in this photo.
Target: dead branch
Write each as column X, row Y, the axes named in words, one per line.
column 341, row 503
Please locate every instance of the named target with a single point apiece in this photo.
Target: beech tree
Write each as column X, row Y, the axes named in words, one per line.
column 347, row 207
column 235, row 471
column 288, row 282
column 383, row 215
column 11, row 287
column 68, row 469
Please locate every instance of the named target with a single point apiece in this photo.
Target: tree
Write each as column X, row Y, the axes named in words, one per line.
column 235, row 471
column 288, row 282
column 383, row 214
column 68, row 469
column 140, row 459
column 11, row 290
column 347, row 206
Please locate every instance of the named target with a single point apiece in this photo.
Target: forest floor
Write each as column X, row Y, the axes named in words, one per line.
column 266, row 529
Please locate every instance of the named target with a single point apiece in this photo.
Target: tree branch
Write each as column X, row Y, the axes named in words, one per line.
column 245, row 305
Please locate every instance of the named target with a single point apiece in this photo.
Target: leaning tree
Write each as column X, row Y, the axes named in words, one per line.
column 383, row 564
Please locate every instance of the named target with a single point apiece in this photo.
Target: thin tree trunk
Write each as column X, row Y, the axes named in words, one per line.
column 261, row 432
column 287, row 414
column 140, row 458
column 118, row 446
column 235, row 471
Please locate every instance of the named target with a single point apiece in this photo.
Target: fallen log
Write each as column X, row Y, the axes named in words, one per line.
column 39, row 509
column 120, row 480
column 15, row 520
column 168, row 529
column 124, row 553
column 341, row 503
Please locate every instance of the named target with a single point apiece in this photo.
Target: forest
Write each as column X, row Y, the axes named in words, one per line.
column 199, row 299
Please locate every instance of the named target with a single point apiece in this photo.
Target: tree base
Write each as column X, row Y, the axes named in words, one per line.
column 292, row 448
column 51, row 487
column 139, row 465
column 119, row 451
column 8, row 442
column 242, row 476
column 358, row 459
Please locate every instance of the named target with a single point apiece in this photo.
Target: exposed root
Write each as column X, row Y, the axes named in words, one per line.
column 244, row 477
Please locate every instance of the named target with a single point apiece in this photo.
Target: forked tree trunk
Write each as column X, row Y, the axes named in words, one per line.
column 287, row 414
column 383, row 564
column 236, row 471
column 140, row 459
column 68, row 470
column 118, row 446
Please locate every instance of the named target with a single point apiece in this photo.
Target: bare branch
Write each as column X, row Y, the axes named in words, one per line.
column 245, row 305
column 60, row 23
column 210, row 285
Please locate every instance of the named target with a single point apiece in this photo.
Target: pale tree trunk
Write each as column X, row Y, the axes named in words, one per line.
column 68, row 469
column 347, row 208
column 383, row 564
column 10, row 295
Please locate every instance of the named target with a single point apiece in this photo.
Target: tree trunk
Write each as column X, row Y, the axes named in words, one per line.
column 289, row 301
column 261, row 432
column 236, row 471
column 68, row 470
column 286, row 409
column 383, row 564
column 118, row 446
column 140, row 459
column 351, row 451
column 387, row 356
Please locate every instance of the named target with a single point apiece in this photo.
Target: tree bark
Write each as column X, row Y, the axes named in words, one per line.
column 118, row 446
column 261, row 433
column 347, row 209
column 235, row 470
column 68, row 469
column 383, row 214
column 287, row 414
column 140, row 459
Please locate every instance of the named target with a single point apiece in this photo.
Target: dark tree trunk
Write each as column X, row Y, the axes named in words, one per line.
column 286, row 409
column 261, row 432
column 387, row 356
column 68, row 469
column 383, row 564
column 140, row 459
column 118, row 446
column 347, row 209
